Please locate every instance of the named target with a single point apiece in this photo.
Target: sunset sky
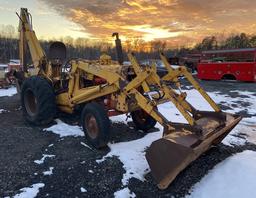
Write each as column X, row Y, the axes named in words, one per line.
column 177, row 21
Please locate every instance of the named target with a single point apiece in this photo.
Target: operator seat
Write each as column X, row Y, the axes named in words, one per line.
column 57, row 56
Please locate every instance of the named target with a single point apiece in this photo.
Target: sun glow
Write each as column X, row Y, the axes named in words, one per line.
column 150, row 33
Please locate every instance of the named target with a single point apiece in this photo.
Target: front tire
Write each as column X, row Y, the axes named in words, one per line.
column 38, row 101
column 96, row 124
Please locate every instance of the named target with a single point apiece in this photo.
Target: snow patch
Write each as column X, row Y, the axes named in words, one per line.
column 83, row 190
column 41, row 161
column 124, row 193
column 63, row 130
column 82, row 143
column 235, row 102
column 120, row 118
column 30, row 192
column 234, row 177
column 8, row 92
column 2, row 110
column 244, row 132
column 49, row 172
column 234, row 140
column 132, row 155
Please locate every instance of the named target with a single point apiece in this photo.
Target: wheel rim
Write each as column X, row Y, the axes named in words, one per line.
column 30, row 102
column 91, row 126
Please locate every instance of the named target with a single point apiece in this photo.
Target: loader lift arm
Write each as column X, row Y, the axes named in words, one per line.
column 179, row 100
column 173, row 75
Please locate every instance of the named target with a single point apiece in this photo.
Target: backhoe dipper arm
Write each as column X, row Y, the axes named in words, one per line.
column 28, row 37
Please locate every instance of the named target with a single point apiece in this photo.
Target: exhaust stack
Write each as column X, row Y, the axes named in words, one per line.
column 119, row 49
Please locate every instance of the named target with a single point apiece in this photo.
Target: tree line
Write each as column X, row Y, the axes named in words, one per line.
column 233, row 41
column 91, row 49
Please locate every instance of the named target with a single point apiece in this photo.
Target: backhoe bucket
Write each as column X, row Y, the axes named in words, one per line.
column 168, row 156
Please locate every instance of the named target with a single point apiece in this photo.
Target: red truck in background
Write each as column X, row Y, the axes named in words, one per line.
column 6, row 73
column 237, row 64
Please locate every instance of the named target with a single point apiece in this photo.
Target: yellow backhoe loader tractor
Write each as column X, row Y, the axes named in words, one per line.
column 104, row 88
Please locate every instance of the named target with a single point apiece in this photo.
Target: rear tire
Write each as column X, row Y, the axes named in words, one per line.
column 96, row 124
column 38, row 101
column 142, row 120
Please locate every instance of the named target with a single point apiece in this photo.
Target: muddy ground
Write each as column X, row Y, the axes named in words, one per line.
column 21, row 144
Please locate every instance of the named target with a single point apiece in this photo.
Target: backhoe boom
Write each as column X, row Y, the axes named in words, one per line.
column 28, row 38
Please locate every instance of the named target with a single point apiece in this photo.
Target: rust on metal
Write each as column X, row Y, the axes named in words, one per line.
column 168, row 156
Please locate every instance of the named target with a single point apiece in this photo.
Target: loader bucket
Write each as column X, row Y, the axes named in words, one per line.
column 168, row 156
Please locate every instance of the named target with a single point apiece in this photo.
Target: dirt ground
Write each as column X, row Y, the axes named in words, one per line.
column 21, row 144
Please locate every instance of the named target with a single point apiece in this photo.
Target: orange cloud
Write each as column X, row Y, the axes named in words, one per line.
column 179, row 21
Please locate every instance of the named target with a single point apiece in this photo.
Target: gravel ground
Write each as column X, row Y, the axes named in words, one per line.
column 21, row 144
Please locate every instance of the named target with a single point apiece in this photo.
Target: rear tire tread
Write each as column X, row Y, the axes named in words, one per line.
column 103, row 123
column 45, row 96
